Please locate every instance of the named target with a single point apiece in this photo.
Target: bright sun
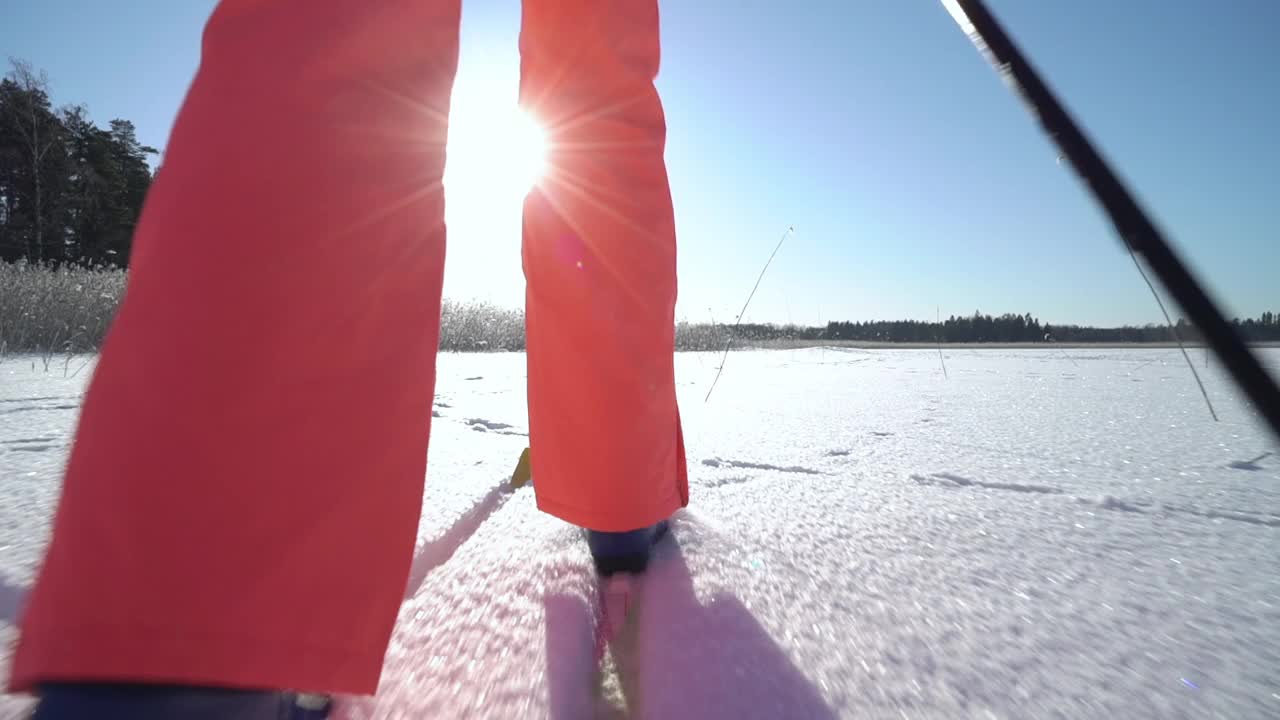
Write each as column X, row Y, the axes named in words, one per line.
column 495, row 154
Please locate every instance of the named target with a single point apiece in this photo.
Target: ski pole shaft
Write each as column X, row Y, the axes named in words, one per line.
column 1132, row 224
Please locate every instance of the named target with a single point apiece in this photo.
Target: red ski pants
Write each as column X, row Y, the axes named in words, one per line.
column 247, row 476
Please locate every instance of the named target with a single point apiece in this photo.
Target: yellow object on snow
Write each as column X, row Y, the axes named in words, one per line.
column 522, row 473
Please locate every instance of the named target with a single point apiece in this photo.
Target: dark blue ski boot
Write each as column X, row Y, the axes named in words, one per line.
column 624, row 552
column 127, row 701
column 620, row 558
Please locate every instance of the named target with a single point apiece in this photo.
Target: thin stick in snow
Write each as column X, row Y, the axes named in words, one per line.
column 743, row 313
column 1066, row 355
column 938, row 337
column 1173, row 331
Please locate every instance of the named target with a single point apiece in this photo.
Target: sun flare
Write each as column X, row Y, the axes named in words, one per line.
column 495, row 155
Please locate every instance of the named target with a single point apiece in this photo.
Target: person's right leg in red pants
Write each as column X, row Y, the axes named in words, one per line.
column 242, row 496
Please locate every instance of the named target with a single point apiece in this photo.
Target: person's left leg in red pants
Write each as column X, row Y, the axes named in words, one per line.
column 247, row 476
column 600, row 265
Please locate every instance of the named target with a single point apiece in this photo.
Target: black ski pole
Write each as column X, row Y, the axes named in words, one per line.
column 1131, row 223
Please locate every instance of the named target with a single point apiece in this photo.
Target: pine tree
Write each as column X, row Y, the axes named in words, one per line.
column 33, row 176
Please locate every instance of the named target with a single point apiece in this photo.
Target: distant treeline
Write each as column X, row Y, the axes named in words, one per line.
column 70, row 191
column 1007, row 328
column 71, row 194
column 67, row 309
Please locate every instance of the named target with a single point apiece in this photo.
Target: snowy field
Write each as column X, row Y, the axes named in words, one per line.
column 1042, row 534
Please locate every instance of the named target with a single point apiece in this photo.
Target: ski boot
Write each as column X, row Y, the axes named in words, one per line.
column 624, row 552
column 118, row 701
column 618, row 558
column 308, row 706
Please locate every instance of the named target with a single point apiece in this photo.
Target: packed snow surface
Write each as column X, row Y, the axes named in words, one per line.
column 1042, row 533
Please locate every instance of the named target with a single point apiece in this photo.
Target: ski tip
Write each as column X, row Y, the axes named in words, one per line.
column 618, row 584
column 617, row 593
column 523, row 473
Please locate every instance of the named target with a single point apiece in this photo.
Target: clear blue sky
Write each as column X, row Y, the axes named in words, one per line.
column 913, row 177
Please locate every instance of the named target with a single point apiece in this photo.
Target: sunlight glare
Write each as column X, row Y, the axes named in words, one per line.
column 495, row 155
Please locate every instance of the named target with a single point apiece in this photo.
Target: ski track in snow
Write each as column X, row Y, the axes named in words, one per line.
column 743, row 464
column 433, row 554
column 31, row 400
column 37, row 408
column 713, row 482
column 952, row 480
column 481, row 425
column 1037, row 535
column 1107, row 502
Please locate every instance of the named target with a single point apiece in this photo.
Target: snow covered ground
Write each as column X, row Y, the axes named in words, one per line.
column 1045, row 533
